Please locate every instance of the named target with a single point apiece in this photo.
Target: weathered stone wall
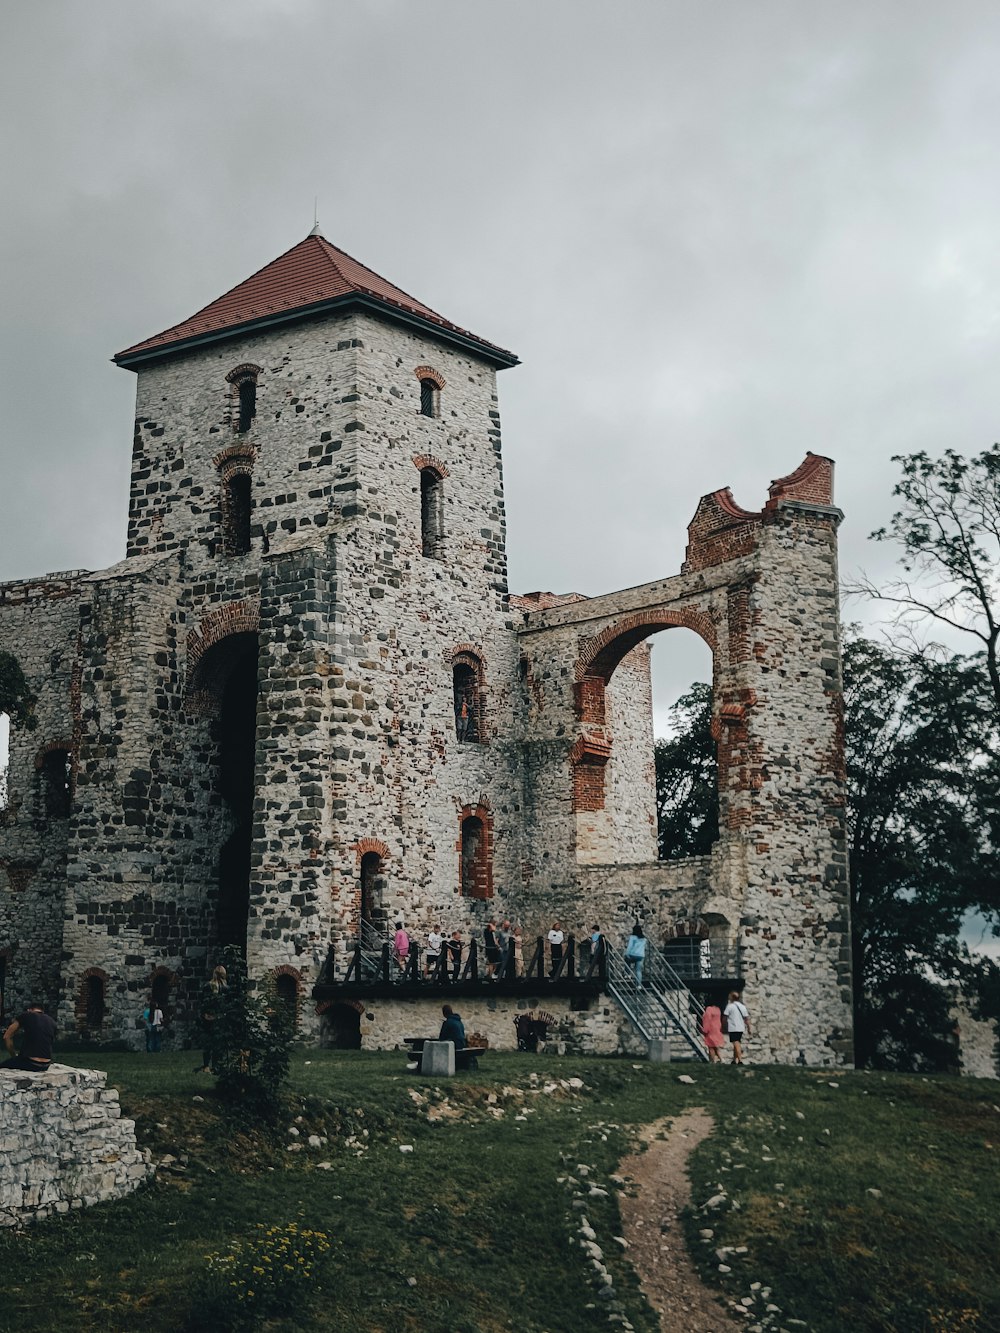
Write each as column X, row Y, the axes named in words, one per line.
column 64, row 1144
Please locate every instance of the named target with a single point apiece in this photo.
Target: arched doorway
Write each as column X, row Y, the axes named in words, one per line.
column 224, row 684
column 371, row 904
column 340, row 1027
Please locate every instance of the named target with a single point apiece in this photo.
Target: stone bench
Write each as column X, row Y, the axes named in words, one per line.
column 63, row 1144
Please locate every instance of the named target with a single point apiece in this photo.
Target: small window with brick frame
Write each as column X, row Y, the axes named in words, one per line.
column 431, row 512
column 430, row 403
column 243, row 388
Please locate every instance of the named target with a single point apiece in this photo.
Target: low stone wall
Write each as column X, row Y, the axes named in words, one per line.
column 63, row 1144
column 602, row 1029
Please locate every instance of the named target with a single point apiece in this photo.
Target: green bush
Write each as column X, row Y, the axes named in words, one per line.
column 251, row 1037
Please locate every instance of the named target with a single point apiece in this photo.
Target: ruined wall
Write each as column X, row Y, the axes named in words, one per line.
column 65, row 1142
column 39, row 623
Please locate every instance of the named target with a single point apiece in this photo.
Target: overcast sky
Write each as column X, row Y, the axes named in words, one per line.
column 717, row 236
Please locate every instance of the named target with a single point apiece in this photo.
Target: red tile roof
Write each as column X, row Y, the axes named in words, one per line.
column 311, row 274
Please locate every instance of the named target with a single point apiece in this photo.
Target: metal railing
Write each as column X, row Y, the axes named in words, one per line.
column 663, row 1006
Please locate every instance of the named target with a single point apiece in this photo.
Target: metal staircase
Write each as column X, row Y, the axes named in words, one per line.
column 663, row 1007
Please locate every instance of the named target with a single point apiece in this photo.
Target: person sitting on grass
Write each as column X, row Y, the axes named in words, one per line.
column 452, row 1029
column 36, row 1047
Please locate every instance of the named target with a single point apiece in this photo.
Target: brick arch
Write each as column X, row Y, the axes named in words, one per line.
column 429, row 373
column 245, row 370
column 286, row 970
column 324, row 1005
column 365, row 845
column 682, row 930
column 601, row 654
column 461, row 650
column 422, row 461
column 233, row 618
column 235, row 459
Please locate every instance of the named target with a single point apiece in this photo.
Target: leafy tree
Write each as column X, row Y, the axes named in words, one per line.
column 922, row 798
column 15, row 699
column 949, row 530
column 251, row 1041
column 687, row 779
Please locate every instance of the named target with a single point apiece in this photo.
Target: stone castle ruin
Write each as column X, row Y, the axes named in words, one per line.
column 251, row 731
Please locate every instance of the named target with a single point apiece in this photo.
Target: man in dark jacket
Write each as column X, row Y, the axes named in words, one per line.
column 36, row 1048
column 452, row 1029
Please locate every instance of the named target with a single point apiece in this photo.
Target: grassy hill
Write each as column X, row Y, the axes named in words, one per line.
column 863, row 1201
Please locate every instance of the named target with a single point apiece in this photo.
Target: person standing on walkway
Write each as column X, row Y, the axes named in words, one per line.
column 737, row 1017
column 635, row 953
column 556, row 938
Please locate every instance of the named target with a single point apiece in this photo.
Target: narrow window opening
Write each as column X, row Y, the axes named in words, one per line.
column 161, row 991
column 476, row 877
column 431, row 511
column 248, row 404
column 56, row 777
column 95, row 1002
column 236, row 514
column 466, row 695
column 287, row 993
column 429, row 398
column 371, row 866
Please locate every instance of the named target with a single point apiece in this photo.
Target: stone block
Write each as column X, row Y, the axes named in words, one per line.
column 659, row 1050
column 438, row 1058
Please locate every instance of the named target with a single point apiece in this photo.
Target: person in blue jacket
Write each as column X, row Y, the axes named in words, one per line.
column 452, row 1029
column 635, row 952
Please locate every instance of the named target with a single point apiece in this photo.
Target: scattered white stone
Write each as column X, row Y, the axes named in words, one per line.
column 196, row 1098
column 620, row 1240
column 799, row 1115
column 834, row 1085
column 411, row 1281
column 684, row 1078
column 875, row 1194
column 706, row 1233
column 716, row 1201
column 314, row 1141
column 596, row 1192
column 293, row 1131
column 724, row 1268
column 575, row 1082
column 406, row 1147
column 324, row 1166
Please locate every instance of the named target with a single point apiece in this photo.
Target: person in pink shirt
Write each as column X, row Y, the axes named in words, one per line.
column 711, row 1031
column 400, row 946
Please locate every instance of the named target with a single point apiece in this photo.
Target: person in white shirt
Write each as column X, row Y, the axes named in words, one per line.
column 556, row 938
column 737, row 1017
column 434, row 942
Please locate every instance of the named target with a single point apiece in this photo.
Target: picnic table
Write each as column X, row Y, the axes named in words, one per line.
column 467, row 1058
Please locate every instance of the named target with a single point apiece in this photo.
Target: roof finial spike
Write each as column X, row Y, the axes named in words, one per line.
column 315, row 229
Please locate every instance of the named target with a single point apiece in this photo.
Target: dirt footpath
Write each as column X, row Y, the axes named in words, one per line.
column 651, row 1223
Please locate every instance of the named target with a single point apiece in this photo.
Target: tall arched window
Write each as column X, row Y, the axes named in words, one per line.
column 236, row 508
column 371, row 864
column 287, row 994
column 248, row 404
column 95, row 1005
column 431, row 511
column 468, row 698
column 476, row 852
